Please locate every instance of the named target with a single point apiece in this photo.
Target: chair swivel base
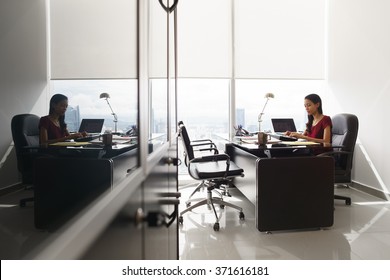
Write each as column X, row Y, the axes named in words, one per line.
column 210, row 200
column 348, row 200
column 23, row 201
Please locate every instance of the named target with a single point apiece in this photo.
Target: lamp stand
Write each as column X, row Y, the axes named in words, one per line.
column 115, row 118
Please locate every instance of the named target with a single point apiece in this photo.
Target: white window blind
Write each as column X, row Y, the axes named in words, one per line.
column 281, row 39
column 204, row 38
column 157, row 40
column 92, row 39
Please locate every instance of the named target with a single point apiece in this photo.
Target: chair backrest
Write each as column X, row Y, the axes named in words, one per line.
column 188, row 149
column 25, row 132
column 344, row 133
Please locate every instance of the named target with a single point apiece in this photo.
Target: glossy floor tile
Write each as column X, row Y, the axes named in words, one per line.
column 360, row 232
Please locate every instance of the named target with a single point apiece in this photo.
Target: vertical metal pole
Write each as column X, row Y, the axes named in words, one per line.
column 232, row 91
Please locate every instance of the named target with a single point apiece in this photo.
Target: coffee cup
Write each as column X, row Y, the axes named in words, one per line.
column 107, row 139
column 262, row 138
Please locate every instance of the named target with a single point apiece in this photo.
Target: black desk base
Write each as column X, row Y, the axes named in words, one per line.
column 288, row 192
column 67, row 180
column 63, row 186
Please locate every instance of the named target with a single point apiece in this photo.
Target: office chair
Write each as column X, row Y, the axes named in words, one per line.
column 25, row 133
column 212, row 170
column 344, row 133
column 203, row 146
column 194, row 146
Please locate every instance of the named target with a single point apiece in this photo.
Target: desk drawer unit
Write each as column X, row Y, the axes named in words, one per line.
column 294, row 193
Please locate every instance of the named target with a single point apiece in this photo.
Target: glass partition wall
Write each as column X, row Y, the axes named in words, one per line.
column 231, row 53
column 101, row 57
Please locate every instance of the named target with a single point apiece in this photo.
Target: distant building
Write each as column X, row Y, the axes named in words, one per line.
column 72, row 118
column 240, row 117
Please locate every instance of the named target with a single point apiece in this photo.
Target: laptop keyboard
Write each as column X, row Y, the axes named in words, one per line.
column 87, row 138
column 283, row 137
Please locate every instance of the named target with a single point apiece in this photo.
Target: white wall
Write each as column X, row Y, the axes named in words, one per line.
column 359, row 78
column 23, row 74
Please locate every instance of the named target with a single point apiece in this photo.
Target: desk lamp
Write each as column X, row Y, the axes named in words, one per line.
column 106, row 96
column 268, row 96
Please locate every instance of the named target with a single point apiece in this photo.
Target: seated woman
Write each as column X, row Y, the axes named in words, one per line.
column 52, row 128
column 318, row 127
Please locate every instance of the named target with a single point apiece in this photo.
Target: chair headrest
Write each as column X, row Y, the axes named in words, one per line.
column 25, row 130
column 345, row 129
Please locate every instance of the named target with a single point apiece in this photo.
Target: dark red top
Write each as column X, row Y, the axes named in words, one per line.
column 317, row 131
column 53, row 131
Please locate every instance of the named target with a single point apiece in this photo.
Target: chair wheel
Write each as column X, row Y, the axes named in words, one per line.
column 181, row 220
column 348, row 201
column 216, row 227
column 222, row 206
column 242, row 216
column 22, row 204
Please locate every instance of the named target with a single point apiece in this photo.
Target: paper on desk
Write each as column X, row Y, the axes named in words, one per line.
column 70, row 144
column 299, row 143
column 250, row 141
column 120, row 137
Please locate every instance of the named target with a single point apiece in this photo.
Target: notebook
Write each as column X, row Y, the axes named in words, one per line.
column 283, row 125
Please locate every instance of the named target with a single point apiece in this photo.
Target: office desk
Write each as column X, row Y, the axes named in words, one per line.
column 284, row 149
column 67, row 179
column 85, row 150
column 289, row 192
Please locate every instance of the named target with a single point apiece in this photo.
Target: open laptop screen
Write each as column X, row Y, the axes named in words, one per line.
column 283, row 125
column 91, row 125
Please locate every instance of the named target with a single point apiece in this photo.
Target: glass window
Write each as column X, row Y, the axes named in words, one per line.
column 85, row 102
column 287, row 103
column 203, row 106
column 158, row 112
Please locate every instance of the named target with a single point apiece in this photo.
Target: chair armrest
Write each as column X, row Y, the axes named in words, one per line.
column 211, row 144
column 211, row 158
column 207, row 158
column 207, row 149
column 331, row 153
column 202, row 140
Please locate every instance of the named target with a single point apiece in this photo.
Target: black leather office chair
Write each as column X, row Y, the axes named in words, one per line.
column 212, row 170
column 25, row 133
column 190, row 148
column 344, row 134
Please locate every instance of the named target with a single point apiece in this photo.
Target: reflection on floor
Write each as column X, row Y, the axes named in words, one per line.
column 360, row 232
column 18, row 236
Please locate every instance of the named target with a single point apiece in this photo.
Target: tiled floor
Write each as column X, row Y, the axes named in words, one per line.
column 360, row 232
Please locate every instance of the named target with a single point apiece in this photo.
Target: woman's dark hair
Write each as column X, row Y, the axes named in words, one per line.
column 55, row 99
column 315, row 98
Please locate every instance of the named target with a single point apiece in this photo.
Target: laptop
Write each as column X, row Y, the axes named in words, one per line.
column 93, row 127
column 282, row 125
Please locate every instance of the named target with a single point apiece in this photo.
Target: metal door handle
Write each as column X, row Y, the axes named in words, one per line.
column 157, row 218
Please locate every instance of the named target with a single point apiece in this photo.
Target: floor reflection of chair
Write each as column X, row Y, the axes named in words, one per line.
column 213, row 171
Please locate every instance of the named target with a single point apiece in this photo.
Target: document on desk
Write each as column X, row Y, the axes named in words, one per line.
column 70, row 144
column 255, row 140
column 299, row 143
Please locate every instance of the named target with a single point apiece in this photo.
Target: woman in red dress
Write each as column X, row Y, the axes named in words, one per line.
column 319, row 126
column 52, row 128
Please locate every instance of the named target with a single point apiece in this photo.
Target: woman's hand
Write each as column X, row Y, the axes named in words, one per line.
column 77, row 135
column 295, row 134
